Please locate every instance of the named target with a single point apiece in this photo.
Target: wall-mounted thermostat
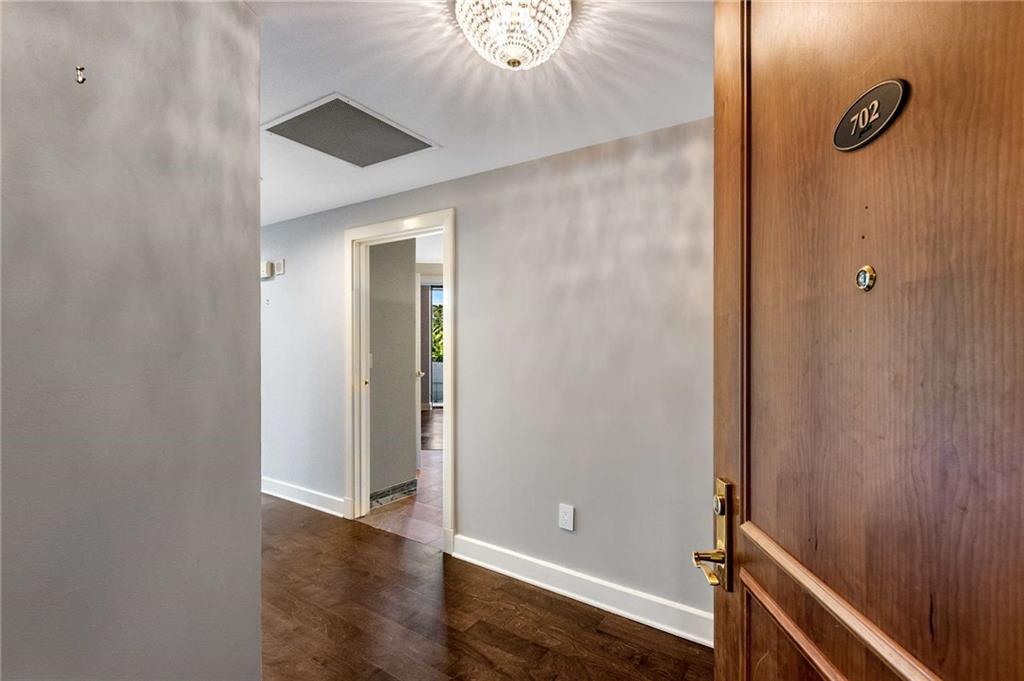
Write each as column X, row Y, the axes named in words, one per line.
column 266, row 269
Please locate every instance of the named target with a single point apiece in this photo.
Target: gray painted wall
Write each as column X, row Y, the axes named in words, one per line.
column 584, row 354
column 130, row 439
column 393, row 438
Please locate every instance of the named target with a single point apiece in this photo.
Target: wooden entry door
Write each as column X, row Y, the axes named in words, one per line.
column 875, row 439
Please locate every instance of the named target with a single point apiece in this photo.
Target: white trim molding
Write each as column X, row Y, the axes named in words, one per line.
column 358, row 241
column 675, row 618
column 449, row 541
column 339, row 506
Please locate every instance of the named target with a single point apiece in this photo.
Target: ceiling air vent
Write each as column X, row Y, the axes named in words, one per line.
column 346, row 131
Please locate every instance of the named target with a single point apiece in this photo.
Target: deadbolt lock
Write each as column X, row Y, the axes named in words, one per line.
column 719, row 504
column 717, row 563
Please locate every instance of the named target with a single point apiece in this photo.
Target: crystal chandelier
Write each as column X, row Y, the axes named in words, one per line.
column 514, row 34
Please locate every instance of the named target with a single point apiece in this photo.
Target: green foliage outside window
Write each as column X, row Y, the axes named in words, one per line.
column 437, row 333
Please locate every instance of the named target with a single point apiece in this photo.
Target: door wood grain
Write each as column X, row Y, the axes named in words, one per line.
column 875, row 438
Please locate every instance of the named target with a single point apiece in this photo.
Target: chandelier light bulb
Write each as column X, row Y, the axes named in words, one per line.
column 514, row 34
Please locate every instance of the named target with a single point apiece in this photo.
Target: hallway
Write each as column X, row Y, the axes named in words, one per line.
column 342, row 600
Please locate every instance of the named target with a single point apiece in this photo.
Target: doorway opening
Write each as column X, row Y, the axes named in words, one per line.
column 435, row 328
column 400, row 454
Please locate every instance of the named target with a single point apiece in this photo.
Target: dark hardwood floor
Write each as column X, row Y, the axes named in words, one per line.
column 344, row 600
column 432, row 428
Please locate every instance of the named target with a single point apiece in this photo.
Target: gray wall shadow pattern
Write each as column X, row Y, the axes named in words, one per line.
column 584, row 368
column 131, row 531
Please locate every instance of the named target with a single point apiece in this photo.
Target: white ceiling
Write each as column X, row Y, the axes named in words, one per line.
column 624, row 68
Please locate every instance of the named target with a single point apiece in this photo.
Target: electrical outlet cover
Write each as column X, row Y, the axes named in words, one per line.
column 566, row 517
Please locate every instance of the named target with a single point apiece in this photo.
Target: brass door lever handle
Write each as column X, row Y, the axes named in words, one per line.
column 717, row 563
column 715, row 557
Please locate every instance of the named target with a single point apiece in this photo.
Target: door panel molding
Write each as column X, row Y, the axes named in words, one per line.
column 901, row 662
column 814, row 656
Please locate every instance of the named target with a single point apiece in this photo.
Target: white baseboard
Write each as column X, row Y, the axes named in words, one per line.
column 339, row 506
column 675, row 618
column 449, row 541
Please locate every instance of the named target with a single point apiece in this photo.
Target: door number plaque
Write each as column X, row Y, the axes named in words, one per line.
column 869, row 115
